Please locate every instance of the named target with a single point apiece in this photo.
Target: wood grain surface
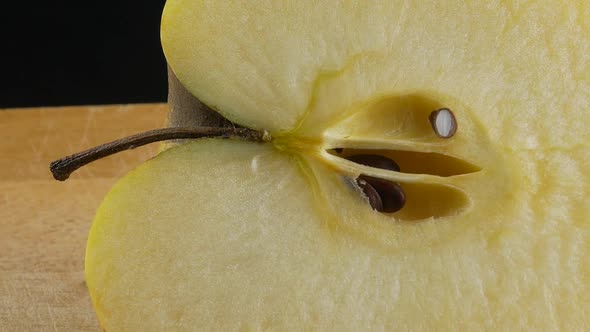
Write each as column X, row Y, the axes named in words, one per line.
column 44, row 223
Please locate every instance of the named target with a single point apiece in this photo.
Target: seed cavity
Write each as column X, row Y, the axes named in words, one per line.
column 414, row 162
column 443, row 123
column 384, row 196
column 374, row 160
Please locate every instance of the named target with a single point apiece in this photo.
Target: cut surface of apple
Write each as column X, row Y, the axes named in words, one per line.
column 495, row 233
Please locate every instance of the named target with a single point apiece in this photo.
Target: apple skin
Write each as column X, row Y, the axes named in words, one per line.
column 188, row 111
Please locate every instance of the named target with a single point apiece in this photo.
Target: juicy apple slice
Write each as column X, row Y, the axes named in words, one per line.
column 521, row 68
column 233, row 235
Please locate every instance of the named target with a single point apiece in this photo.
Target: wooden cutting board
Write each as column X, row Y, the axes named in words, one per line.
column 44, row 223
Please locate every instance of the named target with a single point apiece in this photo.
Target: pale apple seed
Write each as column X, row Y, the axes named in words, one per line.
column 443, row 122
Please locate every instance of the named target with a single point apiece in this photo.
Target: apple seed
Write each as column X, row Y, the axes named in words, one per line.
column 443, row 122
column 372, row 194
column 384, row 196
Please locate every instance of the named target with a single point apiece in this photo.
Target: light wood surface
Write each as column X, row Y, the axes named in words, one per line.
column 44, row 223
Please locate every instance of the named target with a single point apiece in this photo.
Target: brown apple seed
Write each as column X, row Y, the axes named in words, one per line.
column 391, row 194
column 374, row 198
column 384, row 196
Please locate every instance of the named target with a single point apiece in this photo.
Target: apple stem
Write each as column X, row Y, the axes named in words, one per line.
column 62, row 168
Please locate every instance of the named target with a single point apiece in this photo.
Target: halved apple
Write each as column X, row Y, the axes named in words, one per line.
column 495, row 232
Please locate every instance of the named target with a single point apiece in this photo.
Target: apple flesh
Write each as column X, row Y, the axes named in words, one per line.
column 234, row 235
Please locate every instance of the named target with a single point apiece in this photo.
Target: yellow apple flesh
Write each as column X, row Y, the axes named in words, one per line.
column 222, row 235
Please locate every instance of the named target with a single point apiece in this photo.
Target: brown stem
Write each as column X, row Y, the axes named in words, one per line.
column 62, row 168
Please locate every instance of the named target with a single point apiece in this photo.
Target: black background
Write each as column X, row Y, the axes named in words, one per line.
column 81, row 53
